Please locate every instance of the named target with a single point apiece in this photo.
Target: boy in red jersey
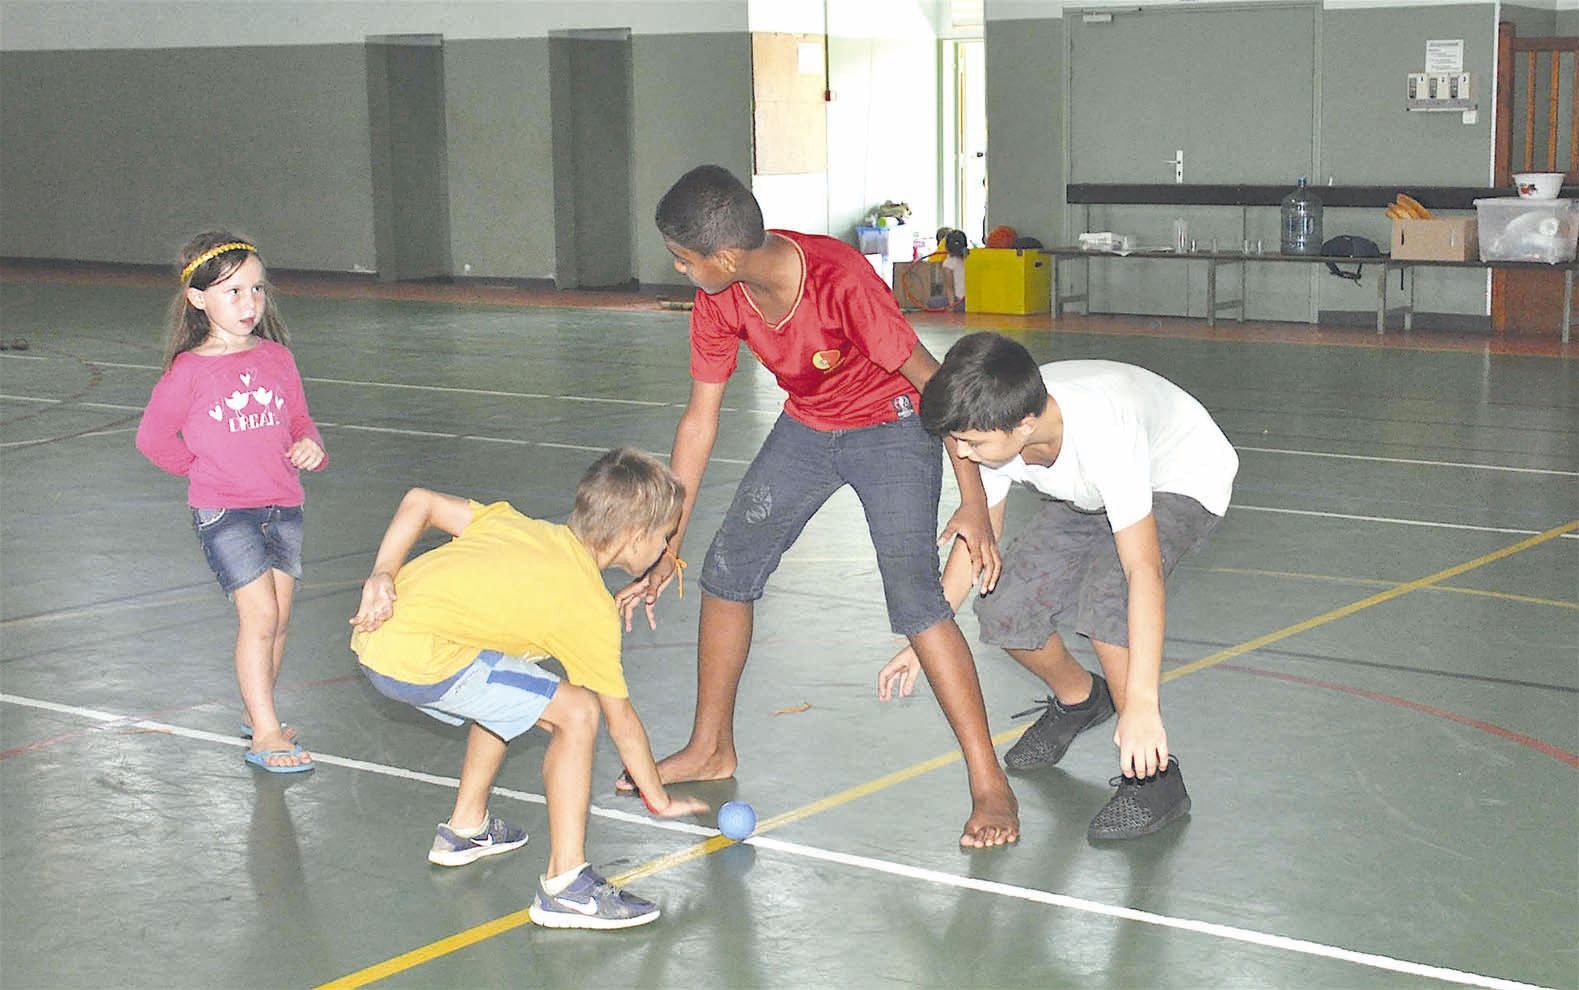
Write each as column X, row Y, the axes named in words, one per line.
column 815, row 314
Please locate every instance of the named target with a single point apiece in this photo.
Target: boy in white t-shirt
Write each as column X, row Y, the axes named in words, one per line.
column 1137, row 474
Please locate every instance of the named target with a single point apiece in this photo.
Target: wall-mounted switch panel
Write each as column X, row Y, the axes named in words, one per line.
column 1453, row 91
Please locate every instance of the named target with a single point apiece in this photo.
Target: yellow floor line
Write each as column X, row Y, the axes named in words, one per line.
column 1397, row 591
column 1382, row 582
column 499, row 926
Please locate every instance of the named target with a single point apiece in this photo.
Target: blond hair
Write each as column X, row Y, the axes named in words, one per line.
column 625, row 492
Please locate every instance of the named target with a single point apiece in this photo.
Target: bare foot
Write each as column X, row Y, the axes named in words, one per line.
column 690, row 763
column 994, row 821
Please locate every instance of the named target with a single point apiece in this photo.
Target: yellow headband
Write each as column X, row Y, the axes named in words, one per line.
column 212, row 253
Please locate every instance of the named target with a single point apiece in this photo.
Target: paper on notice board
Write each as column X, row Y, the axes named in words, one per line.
column 1444, row 56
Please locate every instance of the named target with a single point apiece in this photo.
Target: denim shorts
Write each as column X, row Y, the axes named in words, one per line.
column 244, row 544
column 505, row 695
column 896, row 469
column 1064, row 565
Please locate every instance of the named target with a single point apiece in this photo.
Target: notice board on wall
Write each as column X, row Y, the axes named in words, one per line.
column 789, row 118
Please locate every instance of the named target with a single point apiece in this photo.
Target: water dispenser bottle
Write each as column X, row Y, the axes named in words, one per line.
column 1301, row 221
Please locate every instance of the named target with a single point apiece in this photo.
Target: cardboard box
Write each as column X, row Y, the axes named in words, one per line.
column 1005, row 280
column 919, row 284
column 1443, row 239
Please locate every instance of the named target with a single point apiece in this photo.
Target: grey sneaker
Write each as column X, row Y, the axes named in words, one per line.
column 590, row 902
column 450, row 849
column 1142, row 805
column 1046, row 741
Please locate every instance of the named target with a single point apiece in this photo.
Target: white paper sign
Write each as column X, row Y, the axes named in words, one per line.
column 1444, row 56
column 808, row 58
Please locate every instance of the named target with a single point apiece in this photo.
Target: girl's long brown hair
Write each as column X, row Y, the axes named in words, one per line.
column 188, row 324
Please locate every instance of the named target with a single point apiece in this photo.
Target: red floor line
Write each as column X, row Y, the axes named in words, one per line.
column 514, row 293
column 1560, row 755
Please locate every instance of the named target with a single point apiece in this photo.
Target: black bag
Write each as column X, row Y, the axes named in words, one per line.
column 1346, row 246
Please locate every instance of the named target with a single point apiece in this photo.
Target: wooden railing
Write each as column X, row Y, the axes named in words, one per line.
column 1535, row 59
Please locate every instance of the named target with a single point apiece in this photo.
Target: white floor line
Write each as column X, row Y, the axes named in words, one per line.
column 356, row 427
column 498, row 393
column 74, row 436
column 1405, row 460
column 774, row 411
column 1228, row 932
column 453, row 390
column 112, row 720
column 439, row 435
column 1396, row 522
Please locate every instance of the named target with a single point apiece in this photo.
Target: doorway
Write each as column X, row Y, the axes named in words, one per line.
column 590, row 109
column 411, row 205
column 967, row 84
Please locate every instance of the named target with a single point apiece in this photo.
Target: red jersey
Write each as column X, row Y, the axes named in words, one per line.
column 838, row 351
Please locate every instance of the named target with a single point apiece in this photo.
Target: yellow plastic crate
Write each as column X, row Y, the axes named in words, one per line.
column 1006, row 280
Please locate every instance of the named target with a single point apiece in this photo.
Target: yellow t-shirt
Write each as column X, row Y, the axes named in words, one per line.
column 510, row 583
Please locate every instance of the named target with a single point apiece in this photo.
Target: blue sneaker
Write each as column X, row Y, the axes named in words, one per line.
column 590, row 902
column 450, row 849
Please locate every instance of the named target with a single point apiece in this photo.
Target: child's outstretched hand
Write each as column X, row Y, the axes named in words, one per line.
column 898, row 676
column 644, row 591
column 305, row 454
column 378, row 602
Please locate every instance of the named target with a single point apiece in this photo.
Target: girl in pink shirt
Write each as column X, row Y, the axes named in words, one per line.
column 230, row 415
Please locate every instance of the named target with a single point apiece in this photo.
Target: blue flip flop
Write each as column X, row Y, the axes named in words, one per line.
column 261, row 760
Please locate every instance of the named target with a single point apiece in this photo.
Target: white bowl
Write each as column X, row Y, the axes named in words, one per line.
column 1538, row 185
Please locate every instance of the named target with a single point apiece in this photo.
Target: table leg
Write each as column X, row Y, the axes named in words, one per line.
column 1381, row 302
column 1409, row 313
column 1568, row 301
column 1211, row 291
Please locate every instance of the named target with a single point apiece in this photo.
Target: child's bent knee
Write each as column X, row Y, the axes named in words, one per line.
column 574, row 709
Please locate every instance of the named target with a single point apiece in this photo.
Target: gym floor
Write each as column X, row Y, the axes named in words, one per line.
column 1372, row 682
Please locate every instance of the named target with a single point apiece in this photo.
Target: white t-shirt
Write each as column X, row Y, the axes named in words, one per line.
column 957, row 266
column 1128, row 432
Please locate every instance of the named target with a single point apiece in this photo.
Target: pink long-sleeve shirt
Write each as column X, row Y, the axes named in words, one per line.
column 226, row 423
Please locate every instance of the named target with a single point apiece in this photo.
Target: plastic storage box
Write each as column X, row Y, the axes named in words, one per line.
column 1513, row 229
column 1005, row 280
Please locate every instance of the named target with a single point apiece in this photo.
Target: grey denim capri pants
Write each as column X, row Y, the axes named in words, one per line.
column 1064, row 565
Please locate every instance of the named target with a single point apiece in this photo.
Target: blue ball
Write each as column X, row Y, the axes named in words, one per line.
column 736, row 819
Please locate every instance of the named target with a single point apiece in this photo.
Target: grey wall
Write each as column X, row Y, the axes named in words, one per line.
column 1234, row 90
column 590, row 85
column 1567, row 22
column 119, row 155
column 1025, row 121
column 692, row 106
column 409, row 165
column 500, row 162
column 1326, row 100
column 1371, row 141
column 1533, row 22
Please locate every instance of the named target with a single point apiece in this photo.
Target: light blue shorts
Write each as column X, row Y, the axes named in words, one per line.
column 505, row 695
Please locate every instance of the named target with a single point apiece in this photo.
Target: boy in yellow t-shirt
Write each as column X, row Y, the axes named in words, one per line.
column 456, row 631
